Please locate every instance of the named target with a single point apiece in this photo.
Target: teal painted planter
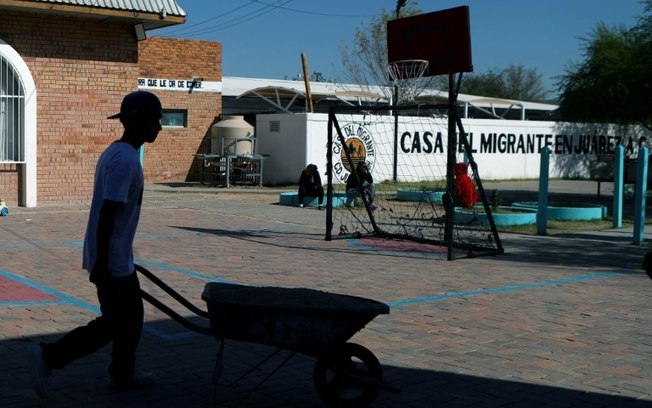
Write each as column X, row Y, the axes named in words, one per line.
column 292, row 199
column 417, row 194
column 505, row 217
column 568, row 211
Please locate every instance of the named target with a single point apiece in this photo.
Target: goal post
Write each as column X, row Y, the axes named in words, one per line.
column 408, row 152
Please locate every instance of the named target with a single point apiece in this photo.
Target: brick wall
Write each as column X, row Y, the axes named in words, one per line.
column 171, row 158
column 10, row 183
column 82, row 69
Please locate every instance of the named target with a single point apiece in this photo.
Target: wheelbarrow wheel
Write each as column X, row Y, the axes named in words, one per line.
column 348, row 377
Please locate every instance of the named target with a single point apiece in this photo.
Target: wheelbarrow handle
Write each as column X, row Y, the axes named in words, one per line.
column 172, row 292
column 174, row 315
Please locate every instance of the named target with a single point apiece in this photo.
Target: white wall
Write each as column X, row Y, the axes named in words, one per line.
column 502, row 149
column 283, row 139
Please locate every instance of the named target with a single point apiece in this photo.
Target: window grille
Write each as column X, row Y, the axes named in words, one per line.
column 12, row 114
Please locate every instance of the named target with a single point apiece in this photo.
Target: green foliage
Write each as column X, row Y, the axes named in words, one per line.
column 365, row 62
column 613, row 83
column 513, row 82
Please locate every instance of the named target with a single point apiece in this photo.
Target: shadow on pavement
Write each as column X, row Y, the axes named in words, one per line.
column 185, row 370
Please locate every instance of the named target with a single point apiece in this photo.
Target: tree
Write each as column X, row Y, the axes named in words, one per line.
column 513, row 82
column 365, row 61
column 613, row 83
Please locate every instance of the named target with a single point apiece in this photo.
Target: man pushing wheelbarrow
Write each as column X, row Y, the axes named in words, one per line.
column 108, row 255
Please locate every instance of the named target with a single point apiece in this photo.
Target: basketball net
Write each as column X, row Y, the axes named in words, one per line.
column 408, row 79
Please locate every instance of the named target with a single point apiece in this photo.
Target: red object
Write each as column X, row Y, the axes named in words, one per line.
column 465, row 194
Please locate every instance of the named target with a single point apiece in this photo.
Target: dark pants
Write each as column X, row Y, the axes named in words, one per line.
column 121, row 322
column 314, row 191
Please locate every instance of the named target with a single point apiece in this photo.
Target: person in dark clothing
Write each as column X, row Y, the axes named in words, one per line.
column 108, row 255
column 310, row 185
column 366, row 181
column 647, row 264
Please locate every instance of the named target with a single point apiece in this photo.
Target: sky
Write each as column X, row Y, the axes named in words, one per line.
column 265, row 38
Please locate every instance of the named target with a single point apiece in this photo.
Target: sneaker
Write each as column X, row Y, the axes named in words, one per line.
column 300, row 205
column 373, row 207
column 138, row 379
column 40, row 370
column 319, row 208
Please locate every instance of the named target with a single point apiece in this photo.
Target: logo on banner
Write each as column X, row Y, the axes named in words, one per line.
column 359, row 143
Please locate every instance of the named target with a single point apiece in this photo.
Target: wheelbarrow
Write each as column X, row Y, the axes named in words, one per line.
column 306, row 321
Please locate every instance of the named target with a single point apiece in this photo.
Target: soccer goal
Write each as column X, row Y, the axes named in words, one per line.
column 412, row 158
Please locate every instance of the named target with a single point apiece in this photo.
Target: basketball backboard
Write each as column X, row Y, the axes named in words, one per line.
column 441, row 37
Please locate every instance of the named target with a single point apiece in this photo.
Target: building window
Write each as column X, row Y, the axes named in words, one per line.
column 177, row 118
column 12, row 109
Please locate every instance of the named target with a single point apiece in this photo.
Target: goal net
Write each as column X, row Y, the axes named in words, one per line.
column 415, row 194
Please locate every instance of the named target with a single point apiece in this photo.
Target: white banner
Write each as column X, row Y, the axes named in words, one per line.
column 179, row 85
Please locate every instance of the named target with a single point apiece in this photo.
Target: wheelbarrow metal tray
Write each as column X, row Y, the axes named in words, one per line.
column 304, row 320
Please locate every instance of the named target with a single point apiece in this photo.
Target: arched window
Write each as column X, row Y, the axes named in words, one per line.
column 12, row 115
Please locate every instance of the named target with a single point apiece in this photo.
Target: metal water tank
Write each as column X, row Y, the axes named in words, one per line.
column 232, row 136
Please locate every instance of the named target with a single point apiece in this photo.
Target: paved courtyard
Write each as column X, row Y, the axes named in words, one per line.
column 556, row 321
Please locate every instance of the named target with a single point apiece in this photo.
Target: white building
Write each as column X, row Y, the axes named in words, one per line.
column 506, row 136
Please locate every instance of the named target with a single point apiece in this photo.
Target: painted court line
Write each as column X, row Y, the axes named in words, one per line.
column 508, row 288
column 63, row 298
column 79, row 244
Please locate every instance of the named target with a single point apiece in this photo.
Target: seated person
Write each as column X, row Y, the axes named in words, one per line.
column 366, row 180
column 465, row 194
column 310, row 185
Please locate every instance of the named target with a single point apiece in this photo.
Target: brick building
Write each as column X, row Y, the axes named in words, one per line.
column 66, row 65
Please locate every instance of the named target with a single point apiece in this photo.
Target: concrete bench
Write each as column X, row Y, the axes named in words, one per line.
column 292, row 199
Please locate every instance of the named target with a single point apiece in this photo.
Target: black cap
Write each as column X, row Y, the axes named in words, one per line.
column 139, row 104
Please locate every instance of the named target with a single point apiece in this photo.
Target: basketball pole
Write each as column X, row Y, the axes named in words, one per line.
column 450, row 166
column 395, row 164
column 399, row 5
column 329, row 175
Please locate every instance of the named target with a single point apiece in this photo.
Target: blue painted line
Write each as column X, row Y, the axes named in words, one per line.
column 24, row 245
column 509, row 288
column 79, row 244
column 31, row 303
column 63, row 298
column 153, row 330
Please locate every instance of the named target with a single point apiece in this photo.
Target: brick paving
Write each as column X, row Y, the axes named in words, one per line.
column 562, row 320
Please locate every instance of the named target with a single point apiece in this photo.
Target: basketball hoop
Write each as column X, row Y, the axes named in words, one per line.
column 408, row 78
